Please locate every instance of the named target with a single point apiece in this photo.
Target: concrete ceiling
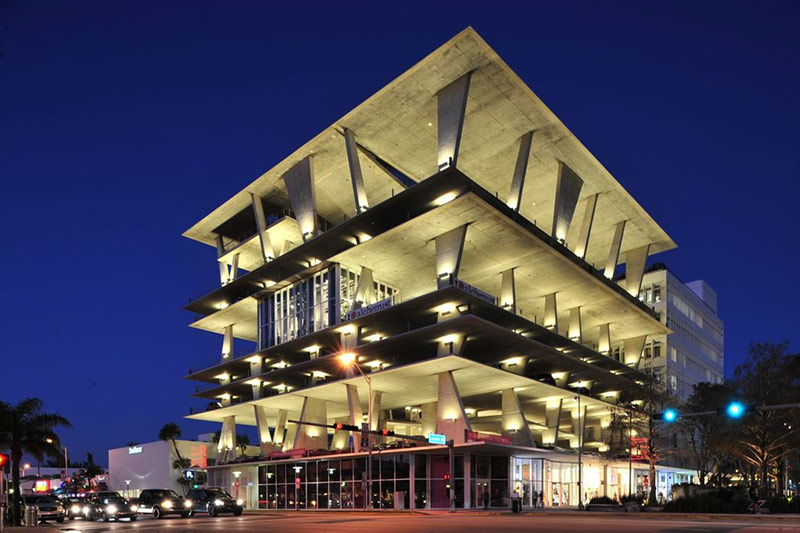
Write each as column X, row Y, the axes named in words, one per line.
column 398, row 123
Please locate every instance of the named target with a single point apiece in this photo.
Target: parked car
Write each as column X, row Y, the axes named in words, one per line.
column 162, row 502
column 74, row 507
column 49, row 507
column 215, row 501
column 109, row 506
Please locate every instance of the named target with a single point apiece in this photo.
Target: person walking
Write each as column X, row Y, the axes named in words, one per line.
column 485, row 499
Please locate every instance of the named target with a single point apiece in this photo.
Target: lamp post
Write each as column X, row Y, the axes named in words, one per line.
column 348, row 359
column 580, row 454
column 24, row 468
column 66, row 462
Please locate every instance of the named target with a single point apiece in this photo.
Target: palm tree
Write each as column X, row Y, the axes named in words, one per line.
column 24, row 428
column 170, row 432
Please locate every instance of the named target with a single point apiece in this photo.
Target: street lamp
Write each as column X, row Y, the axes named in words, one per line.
column 66, row 462
column 349, row 359
column 580, row 453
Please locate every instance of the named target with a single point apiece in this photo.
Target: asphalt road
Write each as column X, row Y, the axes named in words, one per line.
column 438, row 522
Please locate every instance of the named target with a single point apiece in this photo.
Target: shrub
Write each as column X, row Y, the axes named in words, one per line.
column 778, row 504
column 722, row 501
column 602, row 500
column 631, row 498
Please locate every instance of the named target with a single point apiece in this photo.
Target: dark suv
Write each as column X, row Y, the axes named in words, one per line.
column 161, row 502
column 215, row 501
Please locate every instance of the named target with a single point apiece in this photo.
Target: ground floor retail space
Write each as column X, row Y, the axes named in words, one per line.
column 483, row 476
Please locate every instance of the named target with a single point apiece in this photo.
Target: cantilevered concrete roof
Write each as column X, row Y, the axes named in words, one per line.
column 398, row 124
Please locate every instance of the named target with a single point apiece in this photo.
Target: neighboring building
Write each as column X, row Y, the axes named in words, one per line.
column 693, row 352
column 446, row 234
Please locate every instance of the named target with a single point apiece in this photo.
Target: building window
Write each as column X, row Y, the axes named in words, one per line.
column 673, row 354
column 673, row 382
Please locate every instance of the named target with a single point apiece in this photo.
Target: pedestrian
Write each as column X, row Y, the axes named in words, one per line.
column 485, row 498
column 541, row 499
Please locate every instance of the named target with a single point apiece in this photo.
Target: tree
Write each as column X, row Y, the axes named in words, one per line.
column 171, row 432
column 710, row 437
column 24, row 428
column 770, row 375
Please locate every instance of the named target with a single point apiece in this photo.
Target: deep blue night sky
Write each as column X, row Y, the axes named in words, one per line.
column 122, row 123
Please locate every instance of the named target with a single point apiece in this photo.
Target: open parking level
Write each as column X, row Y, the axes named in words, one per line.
column 443, row 522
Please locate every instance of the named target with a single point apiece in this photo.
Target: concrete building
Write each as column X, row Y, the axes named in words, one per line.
column 453, row 241
column 693, row 352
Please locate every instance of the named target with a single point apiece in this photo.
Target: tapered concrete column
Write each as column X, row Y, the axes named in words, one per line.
column 267, row 251
column 508, row 292
column 226, row 274
column 578, row 426
column 452, row 108
column 604, row 341
column 356, row 414
column 299, row 182
column 376, row 409
column 255, row 385
column 520, row 169
column 635, row 261
column 552, row 419
column 291, row 434
column 632, row 349
column 613, row 253
column 256, row 362
column 575, row 327
column 348, row 337
column 430, row 413
column 365, row 290
column 582, row 246
column 562, row 379
column 568, row 189
column 264, row 434
column 341, row 437
column 450, row 345
column 227, row 342
column 356, row 178
column 280, row 427
column 312, row 437
column 514, row 423
column 226, row 445
column 449, row 249
column 551, row 312
column 452, row 419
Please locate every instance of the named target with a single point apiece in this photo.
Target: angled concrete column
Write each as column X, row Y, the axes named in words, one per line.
column 267, row 251
column 255, row 385
column 226, row 275
column 514, row 422
column 227, row 342
column 430, row 412
column 262, row 425
column 226, row 445
column 356, row 414
column 508, row 292
column 635, row 261
column 552, row 419
column 377, row 396
column 575, row 327
column 451, row 417
column 365, row 290
column 613, row 253
column 582, row 246
column 520, row 169
column 348, row 337
column 551, row 312
column 312, row 437
column 578, row 426
column 568, row 189
column 356, row 178
column 451, row 345
column 632, row 349
column 449, row 249
column 604, row 341
column 299, row 182
column 256, row 362
column 280, row 427
column 452, row 108
column 291, row 433
column 341, row 437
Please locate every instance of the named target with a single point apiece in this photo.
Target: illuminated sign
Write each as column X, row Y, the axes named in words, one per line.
column 386, row 303
column 437, row 438
column 42, row 485
column 199, row 456
column 474, row 291
column 134, row 450
column 485, row 437
column 188, row 474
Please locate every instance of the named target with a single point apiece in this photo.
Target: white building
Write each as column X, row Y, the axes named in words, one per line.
column 693, row 352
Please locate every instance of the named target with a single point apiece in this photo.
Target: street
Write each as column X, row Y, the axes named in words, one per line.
column 440, row 522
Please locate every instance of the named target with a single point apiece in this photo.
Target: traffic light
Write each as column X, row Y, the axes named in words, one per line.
column 387, row 433
column 347, row 427
column 735, row 410
column 447, row 477
column 670, row 415
column 4, row 462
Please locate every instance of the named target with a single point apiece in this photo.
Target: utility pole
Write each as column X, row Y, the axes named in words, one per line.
column 452, row 480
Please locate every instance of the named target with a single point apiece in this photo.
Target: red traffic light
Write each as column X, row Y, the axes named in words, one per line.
column 387, row 433
column 3, row 459
column 447, row 477
column 349, row 427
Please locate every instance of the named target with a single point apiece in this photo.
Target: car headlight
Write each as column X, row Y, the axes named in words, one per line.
column 86, row 510
column 219, row 503
column 134, row 508
column 75, row 508
column 167, row 504
column 240, row 502
column 111, row 509
column 188, row 503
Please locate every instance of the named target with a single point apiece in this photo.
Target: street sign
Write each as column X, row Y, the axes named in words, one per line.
column 437, row 438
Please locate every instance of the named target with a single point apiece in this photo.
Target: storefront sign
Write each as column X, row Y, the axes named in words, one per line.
column 474, row 291
column 386, row 303
column 134, row 450
column 300, row 452
column 437, row 438
column 485, row 437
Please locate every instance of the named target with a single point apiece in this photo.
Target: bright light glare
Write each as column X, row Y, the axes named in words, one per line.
column 670, row 415
column 735, row 409
column 347, row 358
column 443, row 199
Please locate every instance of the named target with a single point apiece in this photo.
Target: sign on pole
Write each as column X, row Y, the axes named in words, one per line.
column 437, row 438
